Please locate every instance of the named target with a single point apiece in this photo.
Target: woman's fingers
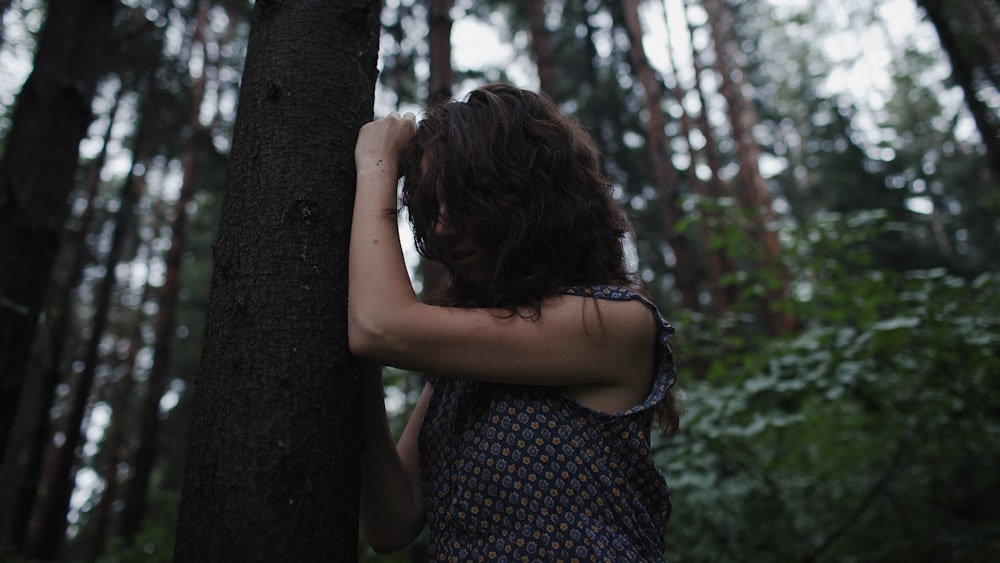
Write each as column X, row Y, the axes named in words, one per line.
column 384, row 138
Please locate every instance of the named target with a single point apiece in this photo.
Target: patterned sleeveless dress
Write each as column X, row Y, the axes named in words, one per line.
column 528, row 473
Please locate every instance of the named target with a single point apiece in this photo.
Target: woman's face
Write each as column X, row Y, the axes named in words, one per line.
column 458, row 248
column 460, row 251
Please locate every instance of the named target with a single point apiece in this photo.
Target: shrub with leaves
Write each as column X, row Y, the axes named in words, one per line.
column 871, row 435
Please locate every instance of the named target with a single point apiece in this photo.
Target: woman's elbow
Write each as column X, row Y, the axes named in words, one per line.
column 361, row 338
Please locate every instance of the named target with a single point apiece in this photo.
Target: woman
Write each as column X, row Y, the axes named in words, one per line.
column 546, row 367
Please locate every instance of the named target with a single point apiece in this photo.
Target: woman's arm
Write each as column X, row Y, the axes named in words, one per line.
column 574, row 342
column 392, row 506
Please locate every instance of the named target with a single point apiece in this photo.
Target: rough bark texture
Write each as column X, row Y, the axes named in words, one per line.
column 273, row 467
column 36, row 176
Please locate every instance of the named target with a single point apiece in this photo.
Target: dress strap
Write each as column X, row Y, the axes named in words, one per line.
column 666, row 374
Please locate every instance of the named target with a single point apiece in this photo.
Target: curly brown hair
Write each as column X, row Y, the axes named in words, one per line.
column 525, row 183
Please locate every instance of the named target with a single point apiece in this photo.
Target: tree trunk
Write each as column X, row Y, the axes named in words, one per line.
column 432, row 274
column 60, row 322
column 714, row 258
column 114, row 445
column 439, row 49
column 36, row 176
column 274, row 458
column 541, row 47
column 136, row 492
column 753, row 193
column 717, row 188
column 664, row 174
column 197, row 144
column 46, row 541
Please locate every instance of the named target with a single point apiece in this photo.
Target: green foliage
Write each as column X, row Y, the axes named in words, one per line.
column 871, row 435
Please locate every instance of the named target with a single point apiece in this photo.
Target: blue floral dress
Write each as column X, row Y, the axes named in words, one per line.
column 528, row 473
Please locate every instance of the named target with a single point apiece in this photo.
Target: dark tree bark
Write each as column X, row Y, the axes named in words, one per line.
column 36, row 176
column 46, row 540
column 273, row 468
column 665, row 175
column 439, row 50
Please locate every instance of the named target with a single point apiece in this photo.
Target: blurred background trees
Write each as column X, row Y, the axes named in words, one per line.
column 816, row 191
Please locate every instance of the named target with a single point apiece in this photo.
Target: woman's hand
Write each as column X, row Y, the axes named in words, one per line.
column 377, row 275
column 381, row 142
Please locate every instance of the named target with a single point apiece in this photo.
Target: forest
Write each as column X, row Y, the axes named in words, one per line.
column 815, row 188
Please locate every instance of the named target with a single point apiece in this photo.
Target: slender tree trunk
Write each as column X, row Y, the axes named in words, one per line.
column 589, row 47
column 36, row 176
column 46, row 541
column 274, row 458
column 717, row 188
column 198, row 143
column 114, row 445
column 432, row 274
column 664, row 174
column 113, row 449
column 714, row 258
column 60, row 322
column 753, row 191
column 541, row 47
column 439, row 48
column 114, row 441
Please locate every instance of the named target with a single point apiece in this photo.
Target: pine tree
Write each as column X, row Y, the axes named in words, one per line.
column 36, row 176
column 665, row 176
column 47, row 538
column 273, row 467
